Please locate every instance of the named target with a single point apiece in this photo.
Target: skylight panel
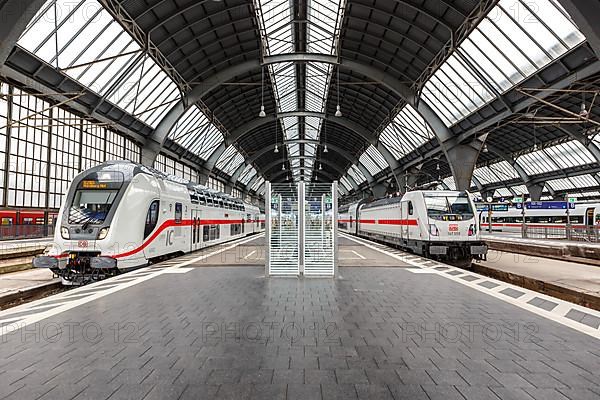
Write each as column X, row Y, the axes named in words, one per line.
column 276, row 18
column 230, row 160
column 574, row 183
column 356, row 174
column 86, row 43
column 562, row 156
column 196, row 133
column 520, row 190
column 570, row 154
column 372, row 160
column 258, row 183
column 247, row 174
column 498, row 172
column 537, row 162
column 346, row 183
column 515, row 40
column 407, row 132
column 503, row 192
column 324, row 17
column 449, row 181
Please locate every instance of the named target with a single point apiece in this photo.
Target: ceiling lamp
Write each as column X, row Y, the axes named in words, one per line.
column 325, row 150
column 485, row 148
column 338, row 111
column 276, row 147
column 262, row 113
column 320, row 166
column 584, row 112
column 283, row 166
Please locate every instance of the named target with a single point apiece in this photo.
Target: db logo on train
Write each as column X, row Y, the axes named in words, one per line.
column 453, row 230
column 83, row 243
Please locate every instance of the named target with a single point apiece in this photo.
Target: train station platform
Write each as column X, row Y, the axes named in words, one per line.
column 574, row 251
column 211, row 325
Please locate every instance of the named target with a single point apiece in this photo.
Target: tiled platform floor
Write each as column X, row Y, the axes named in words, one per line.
column 229, row 333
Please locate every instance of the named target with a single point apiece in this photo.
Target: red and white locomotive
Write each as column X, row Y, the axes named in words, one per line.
column 121, row 215
column 437, row 224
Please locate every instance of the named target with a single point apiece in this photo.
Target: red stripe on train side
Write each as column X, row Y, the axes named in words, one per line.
column 402, row 222
column 168, row 224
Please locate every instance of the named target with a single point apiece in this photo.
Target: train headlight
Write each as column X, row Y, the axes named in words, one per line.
column 64, row 232
column 103, row 233
column 433, row 230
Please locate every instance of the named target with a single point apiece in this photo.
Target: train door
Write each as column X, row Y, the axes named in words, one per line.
column 589, row 217
column 404, row 233
column 196, row 230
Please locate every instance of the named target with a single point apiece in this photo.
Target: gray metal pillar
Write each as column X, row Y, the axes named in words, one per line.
column 462, row 159
column 535, row 191
column 14, row 17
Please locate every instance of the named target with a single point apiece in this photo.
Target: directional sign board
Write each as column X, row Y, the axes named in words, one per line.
column 546, row 205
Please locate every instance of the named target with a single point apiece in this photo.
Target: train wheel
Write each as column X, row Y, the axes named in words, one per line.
column 464, row 263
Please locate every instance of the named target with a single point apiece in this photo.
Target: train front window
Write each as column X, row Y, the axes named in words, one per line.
column 449, row 207
column 91, row 206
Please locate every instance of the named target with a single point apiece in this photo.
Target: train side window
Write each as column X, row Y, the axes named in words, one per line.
column 411, row 209
column 178, row 212
column 151, row 218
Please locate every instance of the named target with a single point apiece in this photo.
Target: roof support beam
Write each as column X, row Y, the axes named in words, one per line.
column 325, row 162
column 585, row 14
column 404, row 92
column 354, row 127
column 16, row 14
column 270, row 148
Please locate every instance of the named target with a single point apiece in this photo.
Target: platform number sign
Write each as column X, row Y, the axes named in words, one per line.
column 328, row 202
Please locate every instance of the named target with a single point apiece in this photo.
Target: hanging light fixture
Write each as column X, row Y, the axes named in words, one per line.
column 437, row 167
column 485, row 148
column 276, row 147
column 320, row 166
column 325, row 150
column 584, row 112
column 283, row 166
column 338, row 111
column 262, row 113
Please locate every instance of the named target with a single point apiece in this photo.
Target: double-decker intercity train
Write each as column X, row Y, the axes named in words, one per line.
column 121, row 215
column 510, row 218
column 437, row 224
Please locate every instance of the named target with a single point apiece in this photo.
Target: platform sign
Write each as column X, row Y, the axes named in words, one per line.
column 546, row 205
column 572, row 200
column 495, row 207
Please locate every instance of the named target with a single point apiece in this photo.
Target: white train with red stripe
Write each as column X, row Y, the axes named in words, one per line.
column 437, row 224
column 121, row 215
column 509, row 218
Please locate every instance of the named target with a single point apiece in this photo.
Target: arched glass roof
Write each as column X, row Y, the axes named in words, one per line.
column 516, row 39
column 144, row 58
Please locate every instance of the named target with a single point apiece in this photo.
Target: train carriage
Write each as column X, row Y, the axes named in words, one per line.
column 510, row 218
column 121, row 215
